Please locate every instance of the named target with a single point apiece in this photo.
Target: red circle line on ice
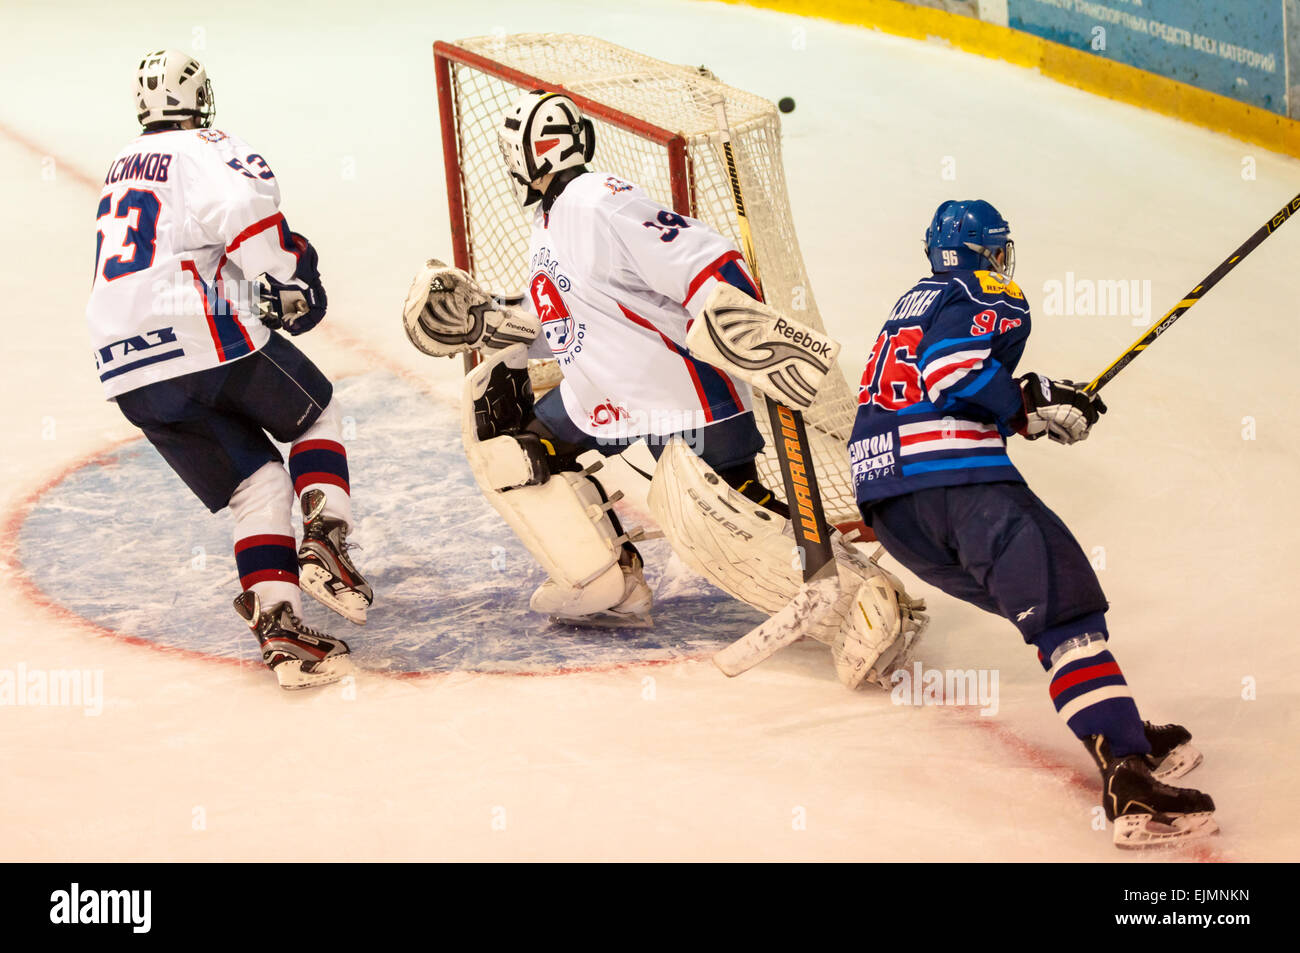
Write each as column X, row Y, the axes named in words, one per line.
column 31, row 593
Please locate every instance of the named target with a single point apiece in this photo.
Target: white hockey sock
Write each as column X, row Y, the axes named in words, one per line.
column 266, row 553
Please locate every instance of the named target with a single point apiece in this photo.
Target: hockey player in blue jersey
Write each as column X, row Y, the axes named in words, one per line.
column 937, row 403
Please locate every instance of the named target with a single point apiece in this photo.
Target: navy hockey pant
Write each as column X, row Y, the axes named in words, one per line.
column 211, row 426
column 998, row 546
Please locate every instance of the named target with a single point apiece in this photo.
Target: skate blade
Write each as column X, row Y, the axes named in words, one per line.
column 1180, row 761
column 604, row 620
column 314, row 581
column 293, row 678
column 1145, row 831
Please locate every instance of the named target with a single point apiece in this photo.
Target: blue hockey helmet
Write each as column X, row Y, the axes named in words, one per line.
column 970, row 235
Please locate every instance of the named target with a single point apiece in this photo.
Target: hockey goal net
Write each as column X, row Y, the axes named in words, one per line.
column 656, row 127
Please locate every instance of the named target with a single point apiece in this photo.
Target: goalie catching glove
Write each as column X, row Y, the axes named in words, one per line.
column 446, row 313
column 1063, row 410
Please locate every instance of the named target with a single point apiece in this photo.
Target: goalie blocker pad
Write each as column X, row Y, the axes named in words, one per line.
column 782, row 358
column 559, row 517
column 749, row 553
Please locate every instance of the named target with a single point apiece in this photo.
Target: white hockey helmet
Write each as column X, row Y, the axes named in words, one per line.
column 171, row 86
column 540, row 134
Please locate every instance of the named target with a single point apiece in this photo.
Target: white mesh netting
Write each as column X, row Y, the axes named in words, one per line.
column 677, row 99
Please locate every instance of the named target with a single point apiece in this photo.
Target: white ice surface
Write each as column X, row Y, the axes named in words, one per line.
column 1197, row 524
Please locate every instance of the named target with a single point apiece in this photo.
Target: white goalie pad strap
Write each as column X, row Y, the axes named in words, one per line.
column 745, row 550
column 562, row 522
column 784, row 359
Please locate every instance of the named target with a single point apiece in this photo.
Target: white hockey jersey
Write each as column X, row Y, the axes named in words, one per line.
column 615, row 278
column 186, row 219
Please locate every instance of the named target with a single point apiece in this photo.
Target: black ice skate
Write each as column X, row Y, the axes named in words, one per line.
column 1172, row 754
column 324, row 570
column 300, row 656
column 1146, row 812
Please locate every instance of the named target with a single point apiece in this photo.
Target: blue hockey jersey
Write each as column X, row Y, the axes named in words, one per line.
column 938, row 398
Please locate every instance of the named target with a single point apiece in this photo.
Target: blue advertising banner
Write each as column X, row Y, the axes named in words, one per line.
column 1236, row 48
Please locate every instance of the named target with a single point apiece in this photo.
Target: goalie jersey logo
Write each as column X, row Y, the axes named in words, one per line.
column 557, row 322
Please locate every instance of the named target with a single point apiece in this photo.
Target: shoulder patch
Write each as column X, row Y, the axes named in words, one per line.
column 991, row 284
column 617, row 185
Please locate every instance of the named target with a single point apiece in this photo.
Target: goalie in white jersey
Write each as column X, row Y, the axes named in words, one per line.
column 195, row 270
column 615, row 280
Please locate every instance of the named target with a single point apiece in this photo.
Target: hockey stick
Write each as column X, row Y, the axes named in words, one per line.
column 811, row 534
column 1196, row 294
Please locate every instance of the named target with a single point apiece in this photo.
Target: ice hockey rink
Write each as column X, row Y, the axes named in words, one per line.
column 473, row 734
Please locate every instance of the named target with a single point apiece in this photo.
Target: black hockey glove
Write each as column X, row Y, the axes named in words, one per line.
column 1062, row 410
column 299, row 304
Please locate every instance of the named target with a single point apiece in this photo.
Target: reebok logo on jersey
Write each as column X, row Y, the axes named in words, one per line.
column 1026, row 614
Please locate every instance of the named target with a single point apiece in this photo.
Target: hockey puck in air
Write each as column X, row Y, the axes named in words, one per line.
column 786, row 105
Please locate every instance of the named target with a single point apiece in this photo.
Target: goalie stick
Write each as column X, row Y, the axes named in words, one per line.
column 1196, row 294
column 811, row 533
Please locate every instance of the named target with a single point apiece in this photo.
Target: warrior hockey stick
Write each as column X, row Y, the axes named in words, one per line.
column 811, row 534
column 1196, row 294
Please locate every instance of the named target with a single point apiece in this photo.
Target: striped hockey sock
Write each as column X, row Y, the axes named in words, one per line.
column 268, row 564
column 318, row 460
column 266, row 554
column 1088, row 688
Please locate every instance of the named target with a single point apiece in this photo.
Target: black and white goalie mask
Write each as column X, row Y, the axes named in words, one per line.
column 172, row 86
column 540, row 134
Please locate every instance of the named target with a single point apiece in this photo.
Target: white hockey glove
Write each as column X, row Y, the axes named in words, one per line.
column 1061, row 409
column 446, row 312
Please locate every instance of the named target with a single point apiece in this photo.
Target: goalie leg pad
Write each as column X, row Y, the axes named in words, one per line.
column 878, row 634
column 749, row 553
column 728, row 539
column 561, row 518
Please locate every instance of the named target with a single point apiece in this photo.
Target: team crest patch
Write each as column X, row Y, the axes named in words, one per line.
column 557, row 322
column 616, row 185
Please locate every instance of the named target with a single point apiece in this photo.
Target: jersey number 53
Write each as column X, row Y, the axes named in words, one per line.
column 140, row 208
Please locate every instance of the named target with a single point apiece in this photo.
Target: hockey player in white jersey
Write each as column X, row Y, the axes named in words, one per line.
column 615, row 279
column 195, row 270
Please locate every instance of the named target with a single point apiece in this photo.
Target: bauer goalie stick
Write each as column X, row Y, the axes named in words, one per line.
column 811, row 532
column 1196, row 294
